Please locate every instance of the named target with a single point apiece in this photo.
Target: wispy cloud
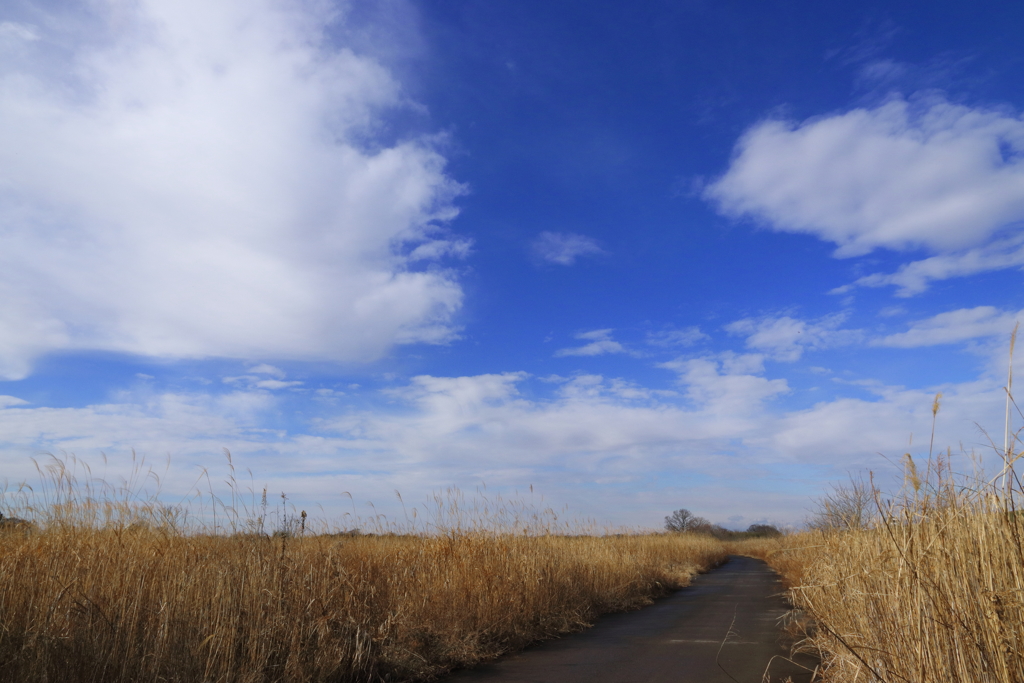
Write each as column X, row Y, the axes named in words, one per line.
column 903, row 175
column 786, row 338
column 684, row 337
column 915, row 277
column 601, row 342
column 564, row 248
column 437, row 249
column 440, row 431
column 266, row 369
column 254, row 381
column 15, row 34
column 953, row 327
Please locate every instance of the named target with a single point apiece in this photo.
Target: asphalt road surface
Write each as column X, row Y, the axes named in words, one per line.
column 676, row 640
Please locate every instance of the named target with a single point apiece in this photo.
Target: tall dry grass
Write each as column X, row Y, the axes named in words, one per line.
column 114, row 590
column 923, row 586
column 790, row 554
column 933, row 590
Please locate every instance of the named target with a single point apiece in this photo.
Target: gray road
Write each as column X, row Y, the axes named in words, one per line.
column 677, row 640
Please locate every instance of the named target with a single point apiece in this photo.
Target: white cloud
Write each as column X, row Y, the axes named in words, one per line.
column 727, row 390
column 954, row 326
column 276, row 384
column 684, row 337
column 934, row 175
column 485, row 422
column 601, row 342
column 441, row 431
column 852, row 433
column 564, row 248
column 595, row 386
column 266, row 369
column 915, row 277
column 437, row 249
column 182, row 178
column 166, row 423
column 444, row 424
column 253, row 381
column 741, row 363
column 593, row 434
column 785, row 338
column 14, row 32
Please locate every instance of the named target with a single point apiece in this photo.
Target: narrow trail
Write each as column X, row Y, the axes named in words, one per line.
column 678, row 639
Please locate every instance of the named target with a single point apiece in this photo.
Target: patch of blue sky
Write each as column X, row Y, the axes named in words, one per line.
column 641, row 256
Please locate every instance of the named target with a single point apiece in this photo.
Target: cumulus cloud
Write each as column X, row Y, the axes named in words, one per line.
column 785, row 338
column 853, row 432
column 564, row 248
column 954, row 326
column 182, row 178
column 440, row 431
column 179, row 423
column 458, row 419
column 726, row 388
column 593, row 431
column 601, row 342
column 932, row 175
column 441, row 423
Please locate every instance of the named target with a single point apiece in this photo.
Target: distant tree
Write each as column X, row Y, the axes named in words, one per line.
column 847, row 506
column 763, row 531
column 684, row 520
column 716, row 530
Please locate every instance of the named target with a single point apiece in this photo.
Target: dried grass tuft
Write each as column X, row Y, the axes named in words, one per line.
column 109, row 589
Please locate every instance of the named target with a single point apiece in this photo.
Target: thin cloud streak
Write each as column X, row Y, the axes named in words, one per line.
column 685, row 337
column 953, row 327
column 915, row 277
column 601, row 342
column 564, row 248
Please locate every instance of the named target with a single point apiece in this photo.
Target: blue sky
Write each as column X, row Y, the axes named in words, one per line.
column 640, row 256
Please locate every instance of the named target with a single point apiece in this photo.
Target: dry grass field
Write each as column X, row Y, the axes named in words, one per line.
column 923, row 586
column 931, row 590
column 111, row 592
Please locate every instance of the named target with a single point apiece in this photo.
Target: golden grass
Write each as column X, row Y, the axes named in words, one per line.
column 92, row 597
column 790, row 555
column 934, row 591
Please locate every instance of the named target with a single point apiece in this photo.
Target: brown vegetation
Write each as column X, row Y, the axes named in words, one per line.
column 931, row 590
column 115, row 591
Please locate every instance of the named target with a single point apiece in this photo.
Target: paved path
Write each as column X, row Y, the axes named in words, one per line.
column 677, row 639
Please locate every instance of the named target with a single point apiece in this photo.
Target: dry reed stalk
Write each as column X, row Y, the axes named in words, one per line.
column 929, row 590
column 81, row 603
column 934, row 592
